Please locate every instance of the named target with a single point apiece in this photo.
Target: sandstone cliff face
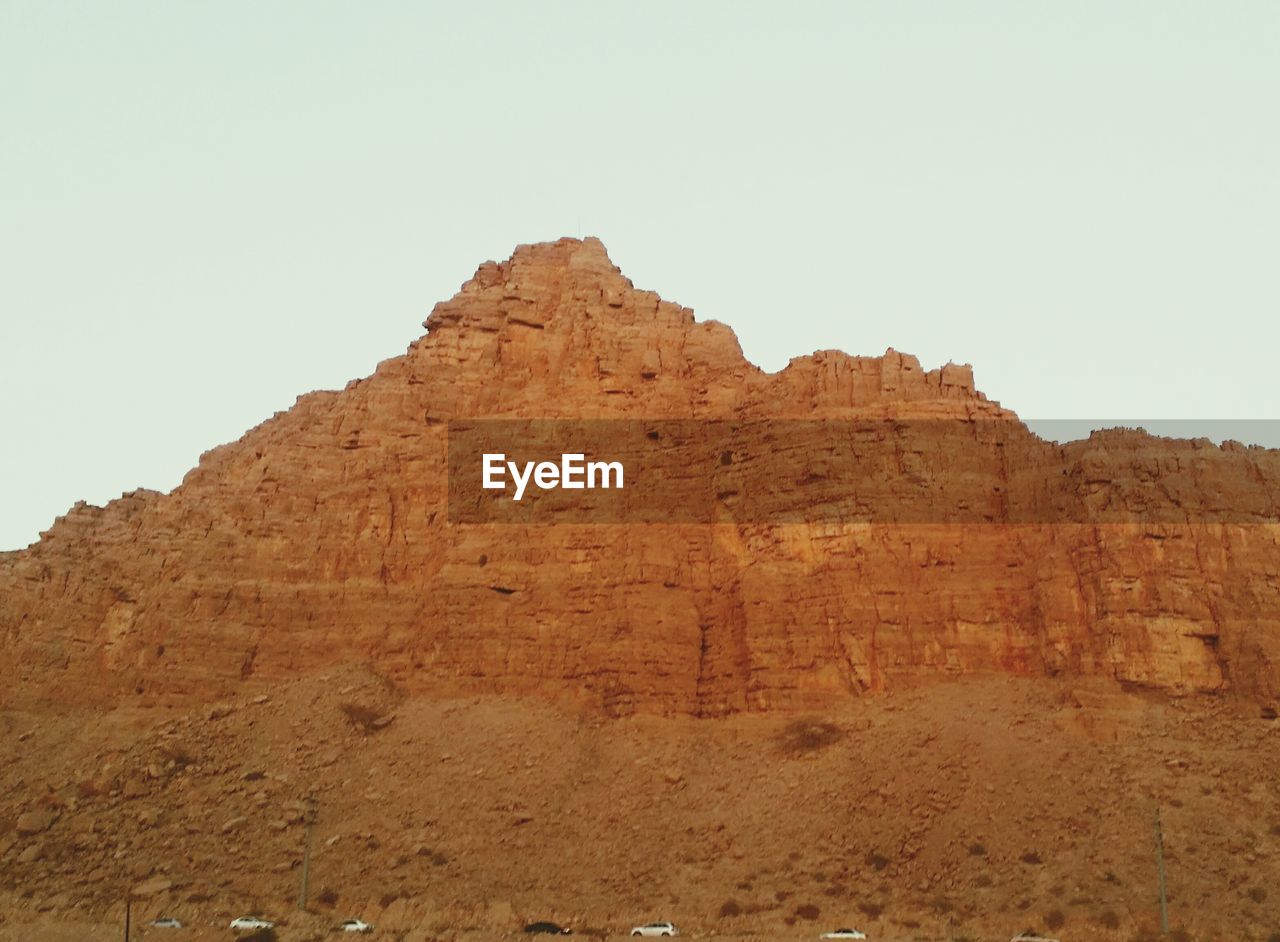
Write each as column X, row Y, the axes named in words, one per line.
column 323, row 536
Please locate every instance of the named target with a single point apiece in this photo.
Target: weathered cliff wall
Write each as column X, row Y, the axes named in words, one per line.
column 323, row 536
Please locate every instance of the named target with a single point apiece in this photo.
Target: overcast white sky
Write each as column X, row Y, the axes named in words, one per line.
column 207, row 209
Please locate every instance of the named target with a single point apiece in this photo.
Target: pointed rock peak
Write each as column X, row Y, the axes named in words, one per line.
column 541, row 276
column 582, row 257
column 591, row 255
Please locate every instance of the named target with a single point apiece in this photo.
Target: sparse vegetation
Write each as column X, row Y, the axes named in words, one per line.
column 373, row 838
column 362, row 717
column 177, row 753
column 809, row 735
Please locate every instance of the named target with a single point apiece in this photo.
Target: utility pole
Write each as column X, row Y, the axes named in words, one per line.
column 1164, row 902
column 306, row 857
column 128, row 904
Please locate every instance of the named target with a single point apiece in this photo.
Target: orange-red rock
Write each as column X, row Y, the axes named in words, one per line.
column 322, row 536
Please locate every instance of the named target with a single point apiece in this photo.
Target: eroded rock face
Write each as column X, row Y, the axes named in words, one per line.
column 322, row 536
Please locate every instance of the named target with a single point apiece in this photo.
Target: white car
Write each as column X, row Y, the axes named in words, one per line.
column 166, row 922
column 656, row 928
column 355, row 925
column 844, row 934
column 251, row 922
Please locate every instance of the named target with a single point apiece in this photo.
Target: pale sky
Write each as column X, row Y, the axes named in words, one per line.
column 207, row 209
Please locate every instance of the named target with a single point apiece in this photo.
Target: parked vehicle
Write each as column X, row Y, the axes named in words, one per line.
column 656, row 929
column 546, row 928
column 251, row 922
column 166, row 922
column 844, row 934
column 355, row 925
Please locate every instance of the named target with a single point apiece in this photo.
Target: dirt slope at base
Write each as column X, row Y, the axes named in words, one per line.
column 979, row 808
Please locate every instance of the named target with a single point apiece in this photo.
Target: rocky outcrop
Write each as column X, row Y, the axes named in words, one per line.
column 324, row 535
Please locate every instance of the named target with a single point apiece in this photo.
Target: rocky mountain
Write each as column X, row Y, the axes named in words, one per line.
column 852, row 647
column 956, row 543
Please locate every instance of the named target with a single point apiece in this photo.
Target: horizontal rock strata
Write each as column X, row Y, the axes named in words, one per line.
column 323, row 536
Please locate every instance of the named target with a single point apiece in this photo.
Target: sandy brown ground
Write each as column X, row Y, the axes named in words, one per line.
column 972, row 809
